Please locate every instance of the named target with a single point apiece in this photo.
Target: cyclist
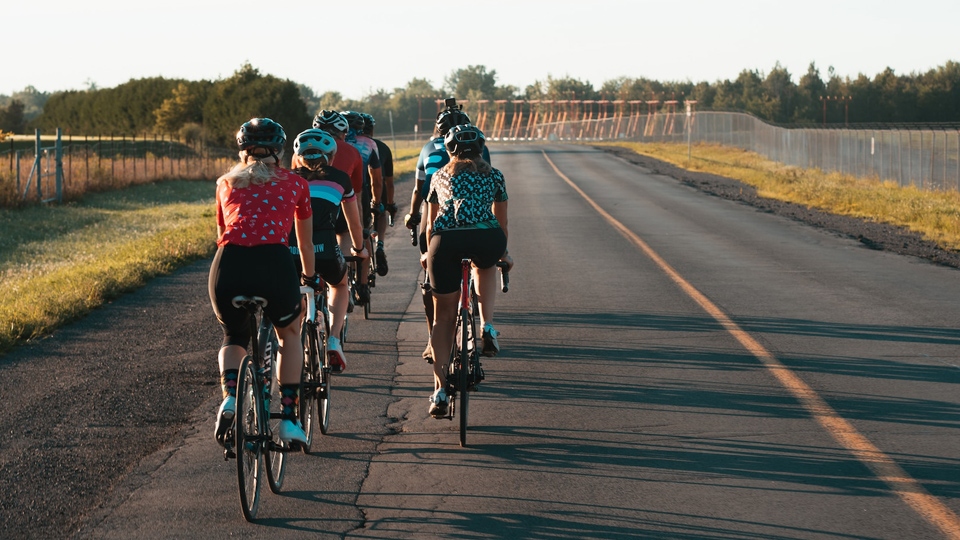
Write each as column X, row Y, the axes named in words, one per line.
column 386, row 173
column 330, row 189
column 432, row 157
column 372, row 187
column 258, row 203
column 466, row 217
column 347, row 160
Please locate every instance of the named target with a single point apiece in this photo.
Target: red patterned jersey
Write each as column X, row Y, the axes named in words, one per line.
column 262, row 214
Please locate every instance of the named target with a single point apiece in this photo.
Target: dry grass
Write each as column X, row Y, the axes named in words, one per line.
column 933, row 214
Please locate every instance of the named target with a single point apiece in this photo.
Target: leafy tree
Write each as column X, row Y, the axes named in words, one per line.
column 472, row 79
column 248, row 94
column 184, row 106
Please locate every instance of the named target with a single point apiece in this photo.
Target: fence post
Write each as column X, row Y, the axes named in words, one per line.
column 37, row 162
column 59, row 165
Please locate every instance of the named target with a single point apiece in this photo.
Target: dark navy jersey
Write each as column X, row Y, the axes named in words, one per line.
column 386, row 158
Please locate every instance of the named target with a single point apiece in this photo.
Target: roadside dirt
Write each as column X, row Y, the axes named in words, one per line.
column 879, row 236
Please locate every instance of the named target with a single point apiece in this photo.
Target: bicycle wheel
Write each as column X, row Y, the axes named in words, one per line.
column 248, row 433
column 274, row 457
column 366, row 307
column 463, row 373
column 323, row 398
column 308, row 382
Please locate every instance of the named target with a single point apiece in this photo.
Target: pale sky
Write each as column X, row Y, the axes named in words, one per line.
column 356, row 47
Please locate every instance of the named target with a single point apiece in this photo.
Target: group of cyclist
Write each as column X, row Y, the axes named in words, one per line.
column 336, row 194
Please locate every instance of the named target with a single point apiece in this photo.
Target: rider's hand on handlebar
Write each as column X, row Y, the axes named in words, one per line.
column 509, row 260
column 410, row 221
column 311, row 281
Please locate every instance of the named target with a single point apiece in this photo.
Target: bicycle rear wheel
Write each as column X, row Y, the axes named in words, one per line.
column 308, row 381
column 249, row 432
column 274, row 457
column 323, row 399
column 463, row 373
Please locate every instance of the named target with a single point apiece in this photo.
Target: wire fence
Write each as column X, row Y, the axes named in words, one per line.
column 28, row 169
column 927, row 157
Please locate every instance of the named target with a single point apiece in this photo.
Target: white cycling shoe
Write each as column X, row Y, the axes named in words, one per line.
column 290, row 432
column 225, row 416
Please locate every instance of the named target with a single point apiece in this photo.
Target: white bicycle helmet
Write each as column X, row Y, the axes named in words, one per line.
column 330, row 121
column 314, row 144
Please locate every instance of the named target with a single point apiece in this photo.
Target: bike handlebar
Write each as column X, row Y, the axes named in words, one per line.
column 504, row 276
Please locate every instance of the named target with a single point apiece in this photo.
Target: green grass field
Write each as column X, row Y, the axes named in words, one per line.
column 57, row 263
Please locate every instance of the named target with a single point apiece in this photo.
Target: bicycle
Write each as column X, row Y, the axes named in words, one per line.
column 353, row 267
column 255, row 446
column 316, row 377
column 370, row 242
column 465, row 371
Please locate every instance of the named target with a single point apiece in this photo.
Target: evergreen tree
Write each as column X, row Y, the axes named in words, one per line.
column 11, row 117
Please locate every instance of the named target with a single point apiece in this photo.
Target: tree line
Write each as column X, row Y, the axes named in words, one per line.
column 213, row 110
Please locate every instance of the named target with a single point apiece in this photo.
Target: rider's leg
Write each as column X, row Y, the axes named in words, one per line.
column 485, row 284
column 441, row 339
column 339, row 300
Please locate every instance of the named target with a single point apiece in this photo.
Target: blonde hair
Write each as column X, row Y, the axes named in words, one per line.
column 252, row 169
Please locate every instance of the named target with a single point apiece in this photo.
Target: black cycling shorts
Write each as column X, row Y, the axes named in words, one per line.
column 448, row 248
column 266, row 271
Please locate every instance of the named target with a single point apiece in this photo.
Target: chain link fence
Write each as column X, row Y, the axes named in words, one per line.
column 927, row 157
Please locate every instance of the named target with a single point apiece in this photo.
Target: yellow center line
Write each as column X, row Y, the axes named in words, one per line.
column 908, row 489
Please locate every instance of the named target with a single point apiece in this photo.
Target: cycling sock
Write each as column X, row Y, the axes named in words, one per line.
column 289, row 401
column 228, row 382
column 379, row 246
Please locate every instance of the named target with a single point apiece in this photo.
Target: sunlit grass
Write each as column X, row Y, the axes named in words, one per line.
column 933, row 214
column 58, row 263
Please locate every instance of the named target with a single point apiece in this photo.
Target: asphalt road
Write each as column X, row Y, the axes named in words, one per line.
column 674, row 365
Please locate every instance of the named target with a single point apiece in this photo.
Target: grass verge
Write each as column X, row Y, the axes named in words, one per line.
column 933, row 214
column 58, row 263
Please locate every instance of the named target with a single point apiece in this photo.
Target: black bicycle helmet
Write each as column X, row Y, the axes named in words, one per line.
column 368, row 123
column 464, row 140
column 314, row 144
column 330, row 121
column 354, row 120
column 449, row 117
column 263, row 133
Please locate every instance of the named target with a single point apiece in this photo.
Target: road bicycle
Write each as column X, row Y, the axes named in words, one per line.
column 370, row 242
column 353, row 263
column 353, row 267
column 465, row 371
column 316, row 377
column 255, row 445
